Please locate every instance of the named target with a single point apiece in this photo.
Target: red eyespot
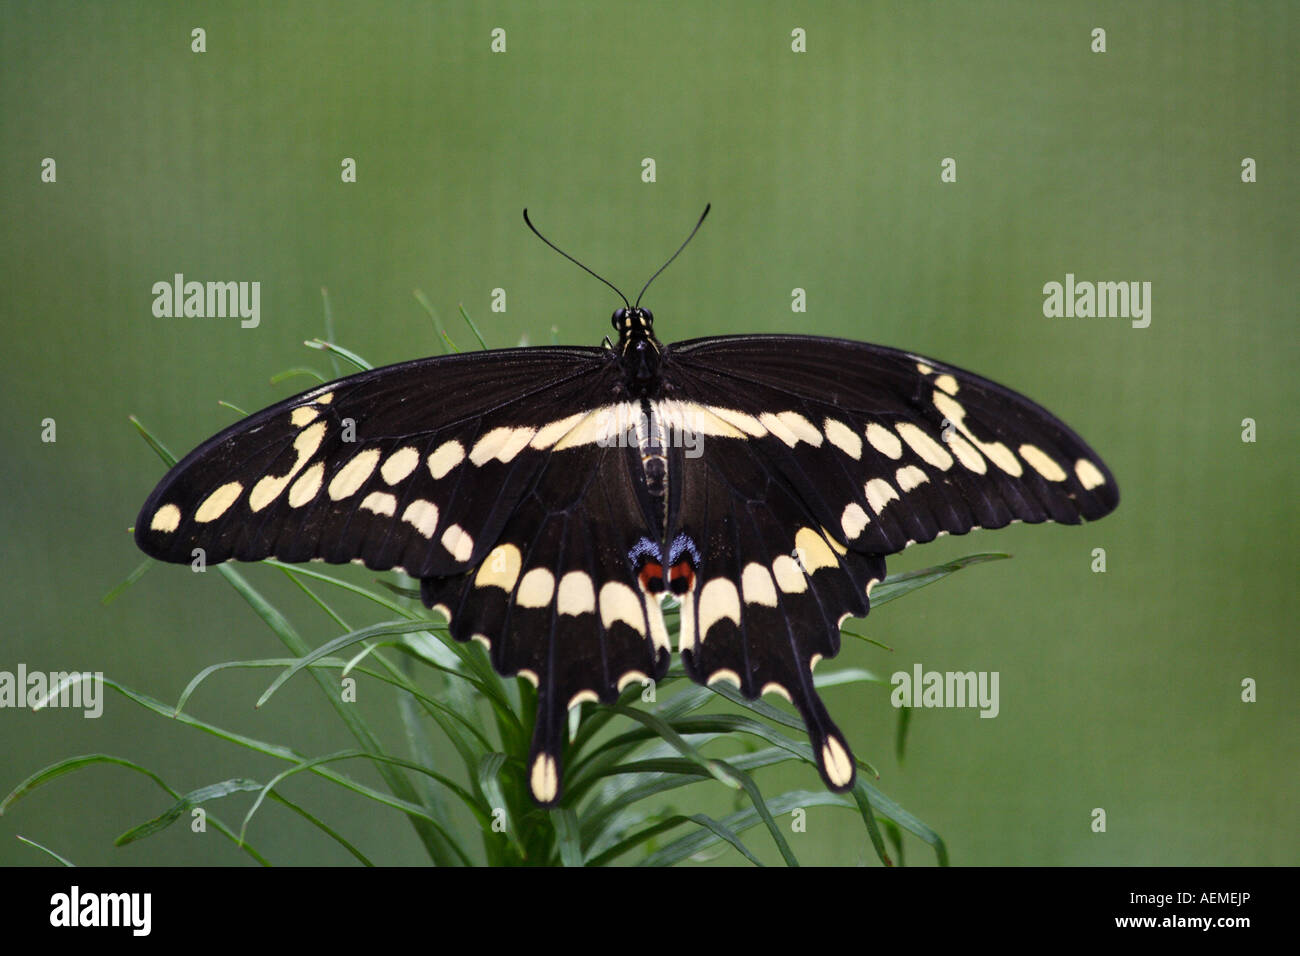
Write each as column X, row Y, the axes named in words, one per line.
column 652, row 578
column 681, row 578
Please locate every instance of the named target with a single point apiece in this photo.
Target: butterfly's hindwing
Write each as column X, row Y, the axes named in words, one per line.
column 770, row 590
column 559, row 601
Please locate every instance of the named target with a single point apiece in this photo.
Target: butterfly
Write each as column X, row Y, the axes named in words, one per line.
column 551, row 500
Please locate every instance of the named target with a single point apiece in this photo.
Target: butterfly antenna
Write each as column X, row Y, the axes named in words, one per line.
column 573, row 260
column 677, row 253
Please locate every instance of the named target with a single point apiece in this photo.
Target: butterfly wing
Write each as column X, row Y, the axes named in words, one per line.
column 494, row 477
column 558, row 600
column 889, row 448
column 820, row 457
column 417, row 465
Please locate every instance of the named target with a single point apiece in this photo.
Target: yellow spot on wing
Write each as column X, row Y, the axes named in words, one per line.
column 789, row 576
column 215, row 504
column 853, row 520
column 422, row 515
column 884, row 441
column 879, row 493
column 575, row 595
column 458, row 543
column 839, row 768
column 909, row 476
column 756, row 581
column 354, row 474
column 718, row 600
column 303, row 415
column 813, row 551
column 167, row 518
column 930, row 451
column 380, row 502
column 536, row 589
column 544, row 779
column 618, row 602
column 307, row 486
column 399, row 464
column 448, row 455
column 269, row 487
column 843, row 437
column 500, row 569
column 1042, row 463
column 1089, row 475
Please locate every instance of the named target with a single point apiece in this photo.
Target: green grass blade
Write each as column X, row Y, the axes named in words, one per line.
column 567, row 839
column 73, row 764
column 897, row 585
column 400, row 786
column 44, row 849
column 693, row 843
column 329, row 326
column 131, row 578
column 159, row 448
column 423, row 299
column 472, row 327
column 489, row 783
column 195, row 798
column 719, row 829
column 288, row 373
column 352, row 357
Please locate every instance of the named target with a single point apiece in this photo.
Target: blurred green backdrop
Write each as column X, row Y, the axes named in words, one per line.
column 1119, row 690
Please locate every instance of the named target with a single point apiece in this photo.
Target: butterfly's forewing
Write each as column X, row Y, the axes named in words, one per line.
column 415, row 465
column 889, row 448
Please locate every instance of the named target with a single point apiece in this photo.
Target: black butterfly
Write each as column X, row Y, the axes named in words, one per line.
column 550, row 499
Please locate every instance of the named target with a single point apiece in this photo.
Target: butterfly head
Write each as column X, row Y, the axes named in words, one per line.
column 633, row 321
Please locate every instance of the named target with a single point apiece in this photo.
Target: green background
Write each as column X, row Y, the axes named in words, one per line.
column 1119, row 690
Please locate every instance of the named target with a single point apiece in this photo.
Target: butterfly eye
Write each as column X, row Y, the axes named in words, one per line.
column 618, row 318
column 648, row 316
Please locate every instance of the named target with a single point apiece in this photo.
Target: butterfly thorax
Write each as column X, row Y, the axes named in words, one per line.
column 638, row 350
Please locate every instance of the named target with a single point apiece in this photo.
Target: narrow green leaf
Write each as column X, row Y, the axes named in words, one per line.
column 186, row 803
column 472, row 327
column 489, row 782
column 329, row 326
column 159, row 448
column 323, row 346
column 567, row 838
column 423, row 299
column 896, row 585
column 721, row 830
column 44, row 849
column 384, row 629
column 693, row 843
column 900, row 736
column 131, row 578
column 289, row 373
column 73, row 764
